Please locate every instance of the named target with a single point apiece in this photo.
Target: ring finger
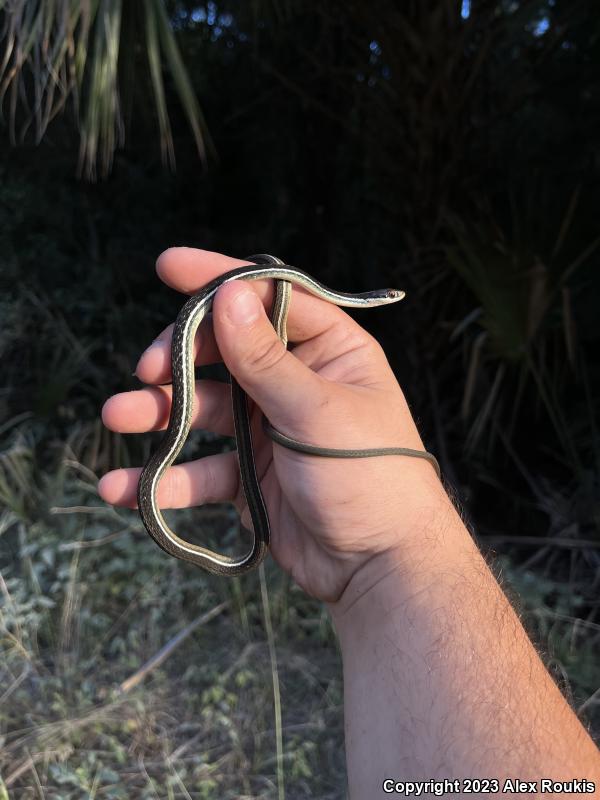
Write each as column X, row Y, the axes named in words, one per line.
column 213, row 479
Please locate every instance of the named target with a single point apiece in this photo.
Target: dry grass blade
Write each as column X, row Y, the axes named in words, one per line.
column 48, row 738
column 16, row 481
column 164, row 653
column 581, row 259
column 27, row 766
column 486, row 412
column 16, row 683
column 537, row 298
column 536, row 541
column 568, row 325
column 472, row 372
column 566, row 223
column 264, row 593
column 593, row 699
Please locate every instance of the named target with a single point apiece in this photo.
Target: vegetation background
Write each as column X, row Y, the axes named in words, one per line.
column 450, row 148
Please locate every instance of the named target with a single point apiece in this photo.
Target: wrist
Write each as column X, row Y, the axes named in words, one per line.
column 417, row 560
column 440, row 679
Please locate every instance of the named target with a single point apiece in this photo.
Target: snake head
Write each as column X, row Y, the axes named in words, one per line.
column 395, row 294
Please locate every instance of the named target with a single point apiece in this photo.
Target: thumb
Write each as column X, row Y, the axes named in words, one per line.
column 281, row 384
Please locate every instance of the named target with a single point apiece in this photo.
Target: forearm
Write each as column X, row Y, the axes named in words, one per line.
column 441, row 680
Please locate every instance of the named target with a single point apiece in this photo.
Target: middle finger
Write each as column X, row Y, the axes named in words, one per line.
column 148, row 409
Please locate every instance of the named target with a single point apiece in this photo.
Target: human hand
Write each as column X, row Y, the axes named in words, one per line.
column 335, row 389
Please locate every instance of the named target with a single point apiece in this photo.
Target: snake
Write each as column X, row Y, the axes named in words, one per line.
column 262, row 266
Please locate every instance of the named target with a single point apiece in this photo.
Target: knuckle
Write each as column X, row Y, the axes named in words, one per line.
column 349, row 336
column 265, row 354
column 172, row 488
column 209, row 484
column 375, row 347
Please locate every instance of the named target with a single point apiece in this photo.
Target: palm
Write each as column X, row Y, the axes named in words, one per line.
column 298, row 538
column 303, row 495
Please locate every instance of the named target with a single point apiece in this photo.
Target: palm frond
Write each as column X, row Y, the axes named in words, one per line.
column 180, row 77
column 153, row 47
column 56, row 50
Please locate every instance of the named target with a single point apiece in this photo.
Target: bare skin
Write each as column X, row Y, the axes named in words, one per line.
column 440, row 678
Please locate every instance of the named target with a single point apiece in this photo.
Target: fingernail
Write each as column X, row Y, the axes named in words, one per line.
column 244, row 308
column 155, row 343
